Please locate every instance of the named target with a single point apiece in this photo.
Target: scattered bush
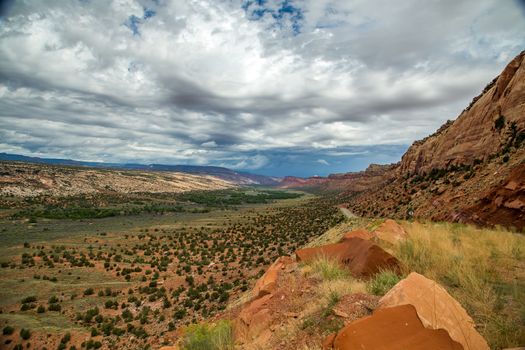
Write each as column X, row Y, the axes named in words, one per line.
column 25, row 334
column 499, row 123
column 8, row 330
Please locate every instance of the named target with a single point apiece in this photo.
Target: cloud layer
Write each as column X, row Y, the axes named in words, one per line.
column 278, row 86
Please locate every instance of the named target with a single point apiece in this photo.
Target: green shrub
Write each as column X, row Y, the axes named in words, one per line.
column 25, row 334
column 328, row 269
column 208, row 337
column 8, row 330
column 54, row 307
column 382, row 282
column 499, row 123
column 30, row 299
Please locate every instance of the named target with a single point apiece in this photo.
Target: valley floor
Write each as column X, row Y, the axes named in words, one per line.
column 132, row 281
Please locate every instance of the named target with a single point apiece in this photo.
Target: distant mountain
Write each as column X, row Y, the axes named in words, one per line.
column 238, row 177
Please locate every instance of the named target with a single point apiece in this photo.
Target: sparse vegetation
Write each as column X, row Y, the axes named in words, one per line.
column 116, row 272
column 204, row 336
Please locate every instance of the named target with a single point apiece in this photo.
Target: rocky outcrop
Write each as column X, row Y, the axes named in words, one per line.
column 503, row 203
column 360, row 256
column 254, row 320
column 477, row 132
column 436, row 309
column 396, row 328
column 255, row 317
column 390, row 231
column 268, row 282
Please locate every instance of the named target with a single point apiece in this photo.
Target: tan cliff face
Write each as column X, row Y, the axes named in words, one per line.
column 476, row 133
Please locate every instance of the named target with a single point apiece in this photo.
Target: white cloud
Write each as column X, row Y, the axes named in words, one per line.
column 201, row 82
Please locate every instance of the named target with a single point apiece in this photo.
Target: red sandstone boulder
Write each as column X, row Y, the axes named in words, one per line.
column 390, row 231
column 436, row 309
column 254, row 319
column 364, row 234
column 362, row 257
column 396, row 328
column 268, row 282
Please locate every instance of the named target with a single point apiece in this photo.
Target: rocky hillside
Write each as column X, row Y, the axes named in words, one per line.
column 470, row 170
column 355, row 287
column 28, row 180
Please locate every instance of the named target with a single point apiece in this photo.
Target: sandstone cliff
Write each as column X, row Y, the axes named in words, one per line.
column 479, row 130
column 459, row 173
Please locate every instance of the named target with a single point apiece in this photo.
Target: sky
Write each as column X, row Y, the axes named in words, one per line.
column 274, row 87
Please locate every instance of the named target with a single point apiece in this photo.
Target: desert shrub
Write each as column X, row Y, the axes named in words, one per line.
column 499, row 123
column 30, row 299
column 54, row 307
column 382, row 282
column 209, row 337
column 25, row 334
column 8, row 330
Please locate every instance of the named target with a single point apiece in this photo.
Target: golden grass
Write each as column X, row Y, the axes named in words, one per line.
column 483, row 269
column 334, row 234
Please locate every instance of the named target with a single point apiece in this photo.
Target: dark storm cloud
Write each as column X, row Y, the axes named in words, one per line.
column 310, row 87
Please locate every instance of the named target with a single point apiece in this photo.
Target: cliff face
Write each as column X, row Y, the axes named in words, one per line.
column 460, row 173
column 478, row 131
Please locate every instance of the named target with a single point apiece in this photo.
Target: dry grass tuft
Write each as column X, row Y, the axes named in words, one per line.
column 334, row 234
column 483, row 269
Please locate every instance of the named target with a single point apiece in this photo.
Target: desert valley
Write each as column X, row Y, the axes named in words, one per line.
column 196, row 220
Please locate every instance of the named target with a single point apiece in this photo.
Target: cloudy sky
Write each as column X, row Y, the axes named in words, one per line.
column 280, row 87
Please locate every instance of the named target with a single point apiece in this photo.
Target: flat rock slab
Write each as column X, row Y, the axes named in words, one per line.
column 436, row 308
column 396, row 328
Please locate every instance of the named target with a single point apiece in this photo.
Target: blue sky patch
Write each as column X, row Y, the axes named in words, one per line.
column 286, row 14
column 134, row 21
